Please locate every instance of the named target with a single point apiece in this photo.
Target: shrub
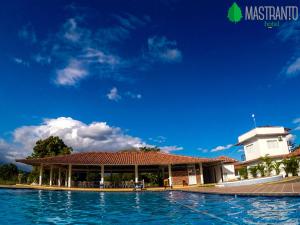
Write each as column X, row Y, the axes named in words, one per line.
column 253, row 171
column 291, row 165
column 276, row 166
column 261, row 169
column 243, row 173
column 268, row 164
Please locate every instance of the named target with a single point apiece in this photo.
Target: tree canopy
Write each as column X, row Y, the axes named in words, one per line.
column 51, row 146
column 149, row 149
column 8, row 172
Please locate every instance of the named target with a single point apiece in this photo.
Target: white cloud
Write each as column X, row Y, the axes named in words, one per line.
column 221, row 148
column 113, row 95
column 291, row 137
column 159, row 139
column 297, row 122
column 71, row 74
column 162, row 49
column 27, row 33
column 21, row 61
column 82, row 137
column 293, row 69
column 96, row 136
column 43, row 60
column 133, row 95
column 203, row 150
column 79, row 49
column 169, row 149
column 290, row 31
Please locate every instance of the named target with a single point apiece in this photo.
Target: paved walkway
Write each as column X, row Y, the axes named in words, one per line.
column 279, row 189
column 285, row 188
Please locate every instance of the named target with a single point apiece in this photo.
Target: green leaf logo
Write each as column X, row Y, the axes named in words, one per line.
column 235, row 13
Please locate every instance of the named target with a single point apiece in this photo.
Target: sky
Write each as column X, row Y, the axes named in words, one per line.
column 112, row 75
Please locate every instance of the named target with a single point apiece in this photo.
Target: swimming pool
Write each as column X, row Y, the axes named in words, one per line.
column 63, row 207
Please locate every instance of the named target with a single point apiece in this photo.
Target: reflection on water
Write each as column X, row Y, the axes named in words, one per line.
column 44, row 207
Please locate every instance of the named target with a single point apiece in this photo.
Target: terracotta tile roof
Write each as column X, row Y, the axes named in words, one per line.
column 294, row 153
column 117, row 158
column 226, row 159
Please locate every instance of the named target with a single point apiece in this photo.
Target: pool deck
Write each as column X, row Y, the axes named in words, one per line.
column 287, row 187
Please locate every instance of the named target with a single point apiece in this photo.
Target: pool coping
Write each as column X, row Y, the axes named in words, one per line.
column 190, row 190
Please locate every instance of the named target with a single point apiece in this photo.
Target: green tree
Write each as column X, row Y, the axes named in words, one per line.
column 268, row 163
column 286, row 166
column 261, row 168
column 243, row 172
column 253, row 171
column 276, row 166
column 51, row 146
column 149, row 149
column 291, row 165
column 9, row 173
column 234, row 13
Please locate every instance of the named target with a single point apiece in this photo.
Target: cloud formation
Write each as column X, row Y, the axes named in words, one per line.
column 168, row 149
column 297, row 122
column 21, row 61
column 221, row 148
column 27, row 33
column 162, row 49
column 289, row 32
column 113, row 95
column 82, row 137
column 80, row 50
column 96, row 136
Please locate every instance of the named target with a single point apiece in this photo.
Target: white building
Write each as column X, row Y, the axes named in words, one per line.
column 261, row 141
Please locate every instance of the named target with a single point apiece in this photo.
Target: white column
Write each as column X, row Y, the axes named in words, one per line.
column 66, row 179
column 102, row 175
column 136, row 173
column 201, row 173
column 70, row 176
column 59, row 177
column 170, row 175
column 41, row 175
column 51, row 175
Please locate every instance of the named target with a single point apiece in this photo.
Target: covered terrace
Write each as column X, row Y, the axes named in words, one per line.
column 72, row 170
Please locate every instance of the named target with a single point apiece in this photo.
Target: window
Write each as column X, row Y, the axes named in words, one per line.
column 249, row 148
column 272, row 144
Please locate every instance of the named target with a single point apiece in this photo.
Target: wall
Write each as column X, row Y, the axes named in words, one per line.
column 228, row 172
column 179, row 177
column 260, row 148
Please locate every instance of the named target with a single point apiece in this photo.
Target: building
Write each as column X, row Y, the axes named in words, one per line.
column 263, row 141
column 175, row 169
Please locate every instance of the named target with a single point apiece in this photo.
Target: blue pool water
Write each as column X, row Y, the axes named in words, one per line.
column 59, row 207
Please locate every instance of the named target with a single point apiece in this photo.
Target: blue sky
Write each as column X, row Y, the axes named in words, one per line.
column 107, row 75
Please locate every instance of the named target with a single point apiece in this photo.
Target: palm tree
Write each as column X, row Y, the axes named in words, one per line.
column 243, row 172
column 286, row 166
column 276, row 166
column 253, row 171
column 261, row 168
column 294, row 165
column 268, row 163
